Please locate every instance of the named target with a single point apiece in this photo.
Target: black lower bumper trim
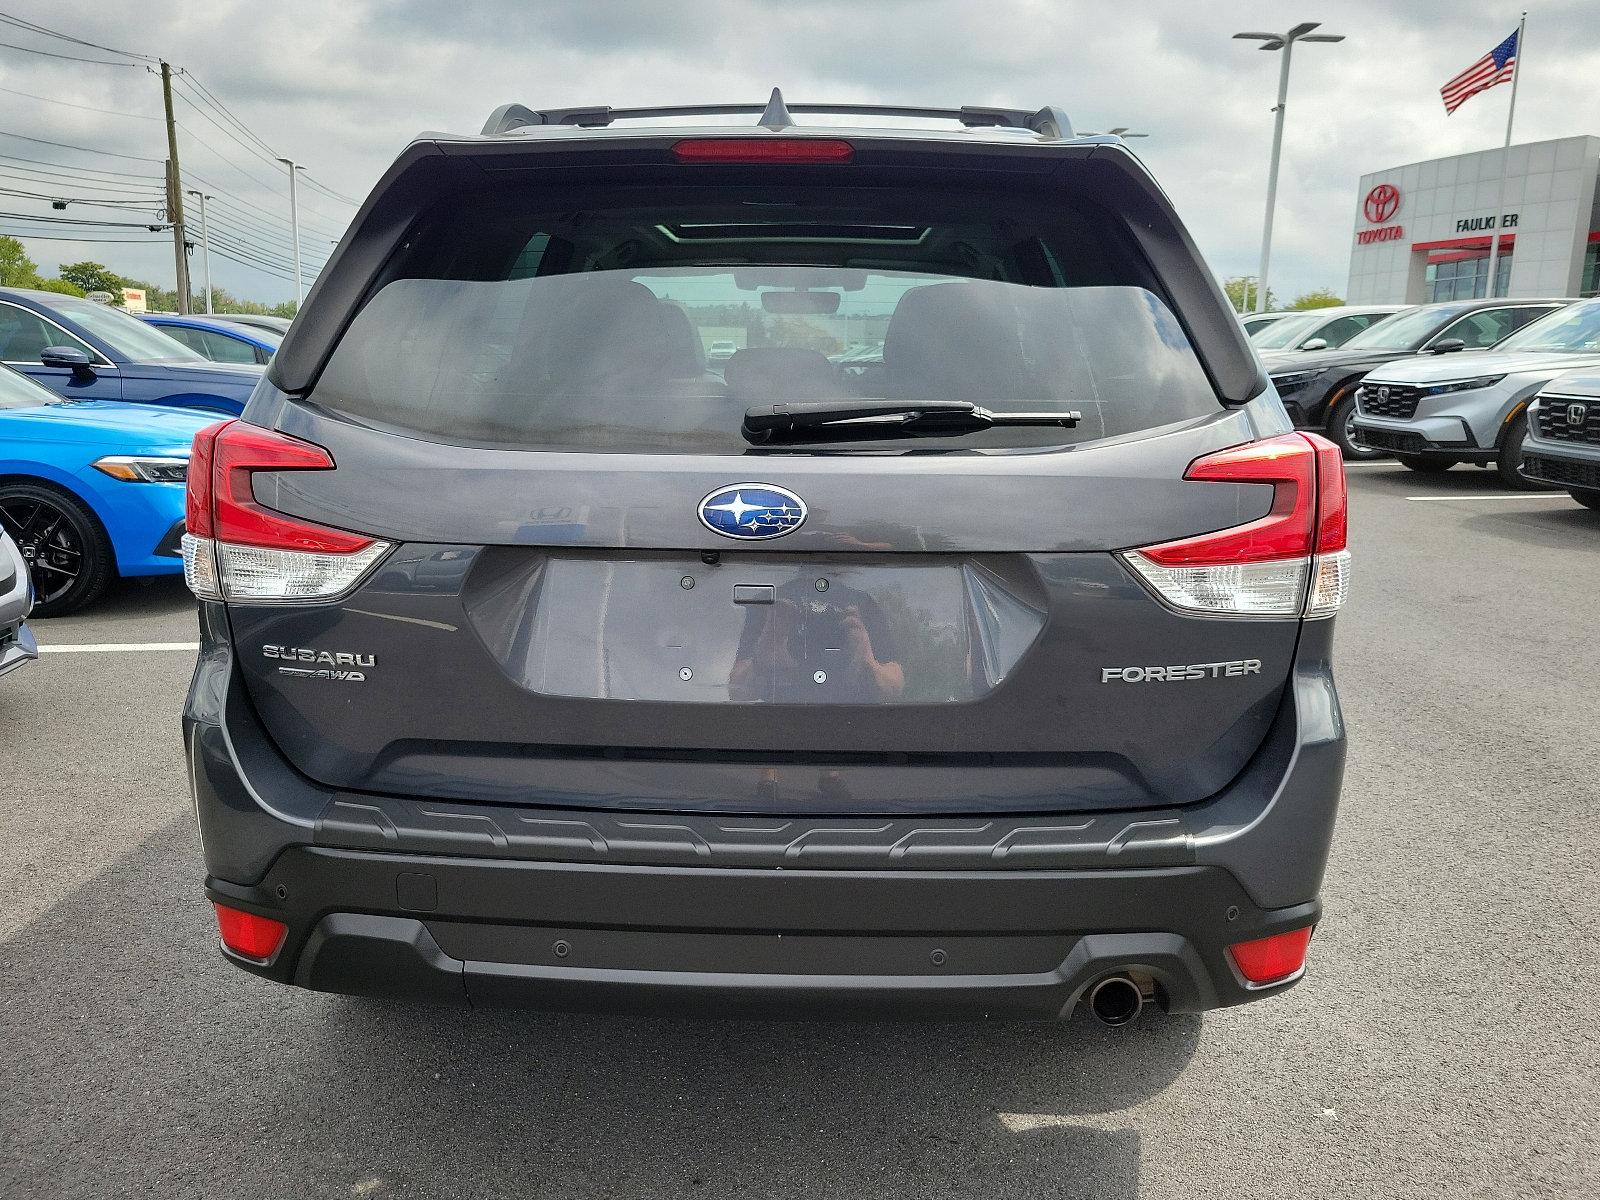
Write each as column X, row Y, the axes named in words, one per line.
column 171, row 543
column 1563, row 472
column 593, row 937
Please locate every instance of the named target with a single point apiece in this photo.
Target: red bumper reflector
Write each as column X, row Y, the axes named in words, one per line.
column 247, row 934
column 763, row 150
column 1270, row 959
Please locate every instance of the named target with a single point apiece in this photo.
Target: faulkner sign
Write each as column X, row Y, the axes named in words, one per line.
column 1381, row 204
column 1484, row 224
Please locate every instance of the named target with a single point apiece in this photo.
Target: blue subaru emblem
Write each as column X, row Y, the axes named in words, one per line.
column 752, row 510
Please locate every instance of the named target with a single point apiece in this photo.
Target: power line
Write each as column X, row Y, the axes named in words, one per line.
column 52, row 179
column 17, row 216
column 110, row 112
column 70, row 167
column 98, row 241
column 255, row 179
column 58, row 198
column 329, row 192
column 222, row 192
column 191, row 79
column 34, row 27
column 86, row 149
column 102, row 62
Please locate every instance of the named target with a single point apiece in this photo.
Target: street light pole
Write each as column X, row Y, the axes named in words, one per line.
column 1284, row 42
column 205, row 245
column 294, row 224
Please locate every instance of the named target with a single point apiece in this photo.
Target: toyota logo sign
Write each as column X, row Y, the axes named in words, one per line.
column 1382, row 202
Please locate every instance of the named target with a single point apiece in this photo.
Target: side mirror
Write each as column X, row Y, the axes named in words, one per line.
column 71, row 358
column 1448, row 346
column 1314, row 344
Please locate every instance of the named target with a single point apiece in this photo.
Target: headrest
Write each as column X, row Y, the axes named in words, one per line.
column 774, row 374
column 955, row 341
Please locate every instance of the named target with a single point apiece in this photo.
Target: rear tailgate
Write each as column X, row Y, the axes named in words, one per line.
column 522, row 405
column 937, row 636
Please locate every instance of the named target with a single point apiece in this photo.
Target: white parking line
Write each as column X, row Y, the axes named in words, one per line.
column 1500, row 496
column 116, row 647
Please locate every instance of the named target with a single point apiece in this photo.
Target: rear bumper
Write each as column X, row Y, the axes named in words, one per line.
column 1007, row 944
column 998, row 916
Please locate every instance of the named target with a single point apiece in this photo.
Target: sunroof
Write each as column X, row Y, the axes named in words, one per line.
column 794, row 231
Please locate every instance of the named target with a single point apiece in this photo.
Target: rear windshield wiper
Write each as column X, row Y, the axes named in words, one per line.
column 828, row 421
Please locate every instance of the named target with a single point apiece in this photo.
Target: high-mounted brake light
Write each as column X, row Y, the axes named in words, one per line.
column 236, row 548
column 1272, row 959
column 247, row 934
column 763, row 150
column 1290, row 562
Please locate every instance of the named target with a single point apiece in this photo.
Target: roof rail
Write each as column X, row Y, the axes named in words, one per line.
column 1050, row 122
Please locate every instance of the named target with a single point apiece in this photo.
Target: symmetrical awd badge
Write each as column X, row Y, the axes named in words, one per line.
column 752, row 511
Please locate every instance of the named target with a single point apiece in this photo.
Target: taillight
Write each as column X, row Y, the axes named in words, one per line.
column 1272, row 959
column 247, row 934
column 1289, row 563
column 236, row 548
column 763, row 150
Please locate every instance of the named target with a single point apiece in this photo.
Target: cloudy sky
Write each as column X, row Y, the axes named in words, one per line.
column 341, row 86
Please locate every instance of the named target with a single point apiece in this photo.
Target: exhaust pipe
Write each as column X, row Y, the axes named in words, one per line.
column 1115, row 1000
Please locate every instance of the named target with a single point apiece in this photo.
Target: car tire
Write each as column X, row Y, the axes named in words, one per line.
column 1508, row 456
column 1341, row 428
column 68, row 553
column 1588, row 497
column 1425, row 465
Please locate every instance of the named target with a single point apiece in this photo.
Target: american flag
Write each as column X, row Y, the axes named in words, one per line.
column 1494, row 67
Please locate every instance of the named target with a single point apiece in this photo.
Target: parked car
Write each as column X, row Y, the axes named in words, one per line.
column 541, row 664
column 17, row 645
column 1563, row 443
column 91, row 489
column 1254, row 323
column 219, row 339
column 86, row 351
column 1318, row 387
column 1432, row 413
column 277, row 325
column 1322, row 328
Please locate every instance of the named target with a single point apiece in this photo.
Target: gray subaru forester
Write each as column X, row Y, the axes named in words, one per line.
column 955, row 640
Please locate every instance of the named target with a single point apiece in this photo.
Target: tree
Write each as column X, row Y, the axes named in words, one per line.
column 94, row 277
column 16, row 268
column 1317, row 298
column 1241, row 293
column 59, row 285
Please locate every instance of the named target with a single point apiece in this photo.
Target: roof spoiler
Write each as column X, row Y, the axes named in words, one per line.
column 1049, row 122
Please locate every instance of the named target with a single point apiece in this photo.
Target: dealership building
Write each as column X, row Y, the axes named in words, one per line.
column 1422, row 230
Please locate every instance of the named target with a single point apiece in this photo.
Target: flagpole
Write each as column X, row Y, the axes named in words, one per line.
column 1505, row 161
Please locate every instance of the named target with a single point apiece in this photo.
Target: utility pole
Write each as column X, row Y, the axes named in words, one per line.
column 205, row 245
column 175, row 192
column 294, row 225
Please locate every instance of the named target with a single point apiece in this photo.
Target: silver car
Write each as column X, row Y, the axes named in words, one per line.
column 1563, row 443
column 16, row 599
column 1432, row 413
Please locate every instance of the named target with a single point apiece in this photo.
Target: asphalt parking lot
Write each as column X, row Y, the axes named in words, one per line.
column 1444, row 1043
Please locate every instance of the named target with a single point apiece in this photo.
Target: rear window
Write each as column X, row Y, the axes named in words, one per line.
column 629, row 322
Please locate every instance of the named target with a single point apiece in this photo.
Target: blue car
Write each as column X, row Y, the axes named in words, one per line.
column 91, row 489
column 218, row 338
column 81, row 350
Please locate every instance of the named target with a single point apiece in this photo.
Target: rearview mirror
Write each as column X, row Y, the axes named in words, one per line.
column 1448, row 346
column 801, row 303
column 70, row 358
column 1314, row 344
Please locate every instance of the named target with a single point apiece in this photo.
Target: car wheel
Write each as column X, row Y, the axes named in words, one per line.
column 1342, row 428
column 1426, row 465
column 1588, row 497
column 68, row 553
column 1508, row 456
